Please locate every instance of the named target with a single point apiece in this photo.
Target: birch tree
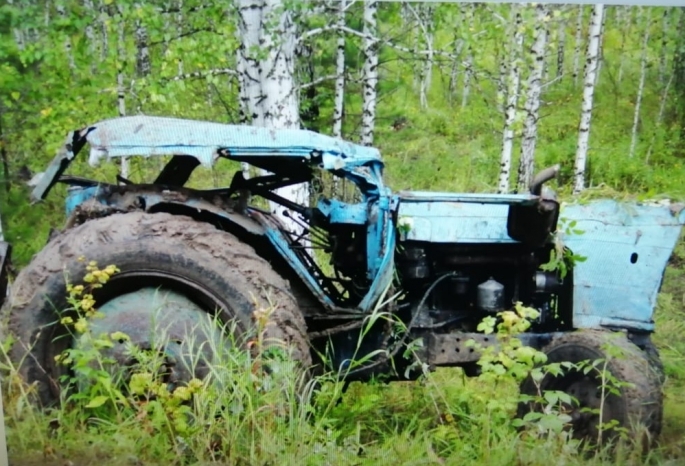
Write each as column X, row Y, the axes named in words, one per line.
column 513, row 82
column 103, row 20
column 641, row 84
column 339, row 99
column 426, row 23
column 68, row 46
column 369, row 72
column 625, row 22
column 663, row 52
column 561, row 43
column 269, row 94
column 121, row 76
column 532, row 105
column 467, row 15
column 589, row 79
column 578, row 44
column 142, row 46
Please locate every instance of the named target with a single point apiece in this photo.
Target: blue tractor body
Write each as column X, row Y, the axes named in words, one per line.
column 350, row 269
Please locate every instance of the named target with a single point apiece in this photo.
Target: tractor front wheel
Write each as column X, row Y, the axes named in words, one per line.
column 620, row 392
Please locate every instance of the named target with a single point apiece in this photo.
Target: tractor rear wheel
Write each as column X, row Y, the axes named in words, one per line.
column 177, row 277
column 624, row 386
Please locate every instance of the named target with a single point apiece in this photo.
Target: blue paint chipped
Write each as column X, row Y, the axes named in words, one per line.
column 627, row 247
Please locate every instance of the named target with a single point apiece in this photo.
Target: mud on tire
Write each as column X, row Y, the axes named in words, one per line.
column 209, row 266
column 639, row 405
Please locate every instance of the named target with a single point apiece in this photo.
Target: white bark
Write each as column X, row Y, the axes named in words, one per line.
column 561, row 46
column 513, row 83
column 589, row 78
column 104, row 31
column 426, row 23
column 467, row 15
column 243, row 115
column 641, row 85
column 89, row 31
column 179, row 28
column 665, row 24
column 454, row 73
column 339, row 99
column 68, row 48
column 578, row 45
column 532, row 105
column 121, row 67
column 502, row 80
column 267, row 60
column 625, row 24
column 660, row 115
column 142, row 47
column 369, row 72
column 19, row 39
column 600, row 58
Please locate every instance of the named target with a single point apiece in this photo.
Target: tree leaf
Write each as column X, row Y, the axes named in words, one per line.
column 97, row 401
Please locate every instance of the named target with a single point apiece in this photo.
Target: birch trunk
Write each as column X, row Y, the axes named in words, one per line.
column 339, row 99
column 641, row 86
column 467, row 15
column 89, row 32
column 179, row 31
column 589, row 79
column 665, row 24
column 243, row 111
column 427, row 25
column 600, row 58
column 625, row 27
column 561, row 46
column 142, row 48
column 267, row 54
column 454, row 72
column 121, row 67
column 18, row 34
column 503, row 76
column 369, row 72
column 68, row 48
column 104, row 30
column 578, row 45
column 532, row 105
column 513, row 83
column 659, row 117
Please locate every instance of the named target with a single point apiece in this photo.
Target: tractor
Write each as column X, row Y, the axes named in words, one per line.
column 437, row 262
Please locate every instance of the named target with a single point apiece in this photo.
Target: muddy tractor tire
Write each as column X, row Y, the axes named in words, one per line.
column 637, row 405
column 183, row 271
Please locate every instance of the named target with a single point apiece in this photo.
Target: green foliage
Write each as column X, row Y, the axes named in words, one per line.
column 445, row 418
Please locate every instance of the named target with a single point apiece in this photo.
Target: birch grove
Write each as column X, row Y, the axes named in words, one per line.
column 589, row 80
column 532, row 105
column 368, row 70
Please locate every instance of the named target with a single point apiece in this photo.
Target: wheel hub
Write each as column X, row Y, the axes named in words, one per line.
column 159, row 324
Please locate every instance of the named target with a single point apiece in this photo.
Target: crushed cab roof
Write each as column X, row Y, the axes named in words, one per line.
column 151, row 136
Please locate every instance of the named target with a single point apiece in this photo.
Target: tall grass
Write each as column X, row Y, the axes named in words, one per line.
column 242, row 414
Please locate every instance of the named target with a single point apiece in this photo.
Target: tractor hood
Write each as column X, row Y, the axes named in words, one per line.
column 206, row 141
column 624, row 246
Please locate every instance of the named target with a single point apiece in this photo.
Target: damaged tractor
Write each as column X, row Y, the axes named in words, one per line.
column 450, row 259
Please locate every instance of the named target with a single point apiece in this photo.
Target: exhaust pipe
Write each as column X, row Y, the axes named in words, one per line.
column 543, row 177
